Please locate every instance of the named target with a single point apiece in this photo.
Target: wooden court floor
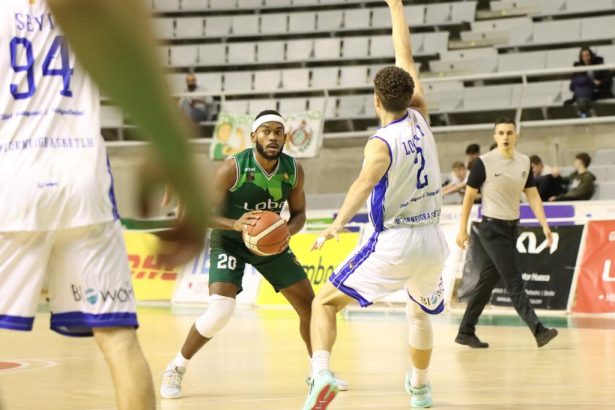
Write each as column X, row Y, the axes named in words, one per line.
column 259, row 363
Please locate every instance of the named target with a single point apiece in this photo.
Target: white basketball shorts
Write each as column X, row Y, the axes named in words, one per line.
column 88, row 276
column 410, row 258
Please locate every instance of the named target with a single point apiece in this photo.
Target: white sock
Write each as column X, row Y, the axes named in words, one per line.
column 320, row 361
column 180, row 361
column 419, row 377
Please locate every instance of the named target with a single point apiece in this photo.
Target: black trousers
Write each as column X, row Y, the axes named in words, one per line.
column 495, row 255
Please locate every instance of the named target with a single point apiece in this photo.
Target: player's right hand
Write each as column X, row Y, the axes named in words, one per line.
column 462, row 239
column 247, row 219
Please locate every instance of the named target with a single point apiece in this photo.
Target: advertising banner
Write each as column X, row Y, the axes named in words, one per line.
column 319, row 265
column 150, row 279
column 303, row 140
column 546, row 272
column 596, row 279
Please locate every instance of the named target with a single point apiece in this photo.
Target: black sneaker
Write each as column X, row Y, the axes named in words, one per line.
column 470, row 340
column 544, row 336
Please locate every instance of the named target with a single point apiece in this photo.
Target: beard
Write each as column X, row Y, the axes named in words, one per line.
column 263, row 151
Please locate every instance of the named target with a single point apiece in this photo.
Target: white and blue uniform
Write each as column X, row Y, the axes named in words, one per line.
column 407, row 248
column 59, row 217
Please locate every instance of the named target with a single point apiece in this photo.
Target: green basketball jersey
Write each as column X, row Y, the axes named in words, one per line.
column 254, row 189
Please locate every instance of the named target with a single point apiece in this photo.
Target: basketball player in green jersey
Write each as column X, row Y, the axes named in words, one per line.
column 254, row 180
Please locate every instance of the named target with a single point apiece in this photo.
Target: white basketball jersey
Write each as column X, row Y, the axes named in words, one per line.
column 53, row 166
column 409, row 193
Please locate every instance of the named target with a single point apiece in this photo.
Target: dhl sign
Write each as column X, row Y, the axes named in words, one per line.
column 151, row 279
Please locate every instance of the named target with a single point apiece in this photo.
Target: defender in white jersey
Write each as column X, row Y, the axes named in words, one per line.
column 59, row 220
column 400, row 179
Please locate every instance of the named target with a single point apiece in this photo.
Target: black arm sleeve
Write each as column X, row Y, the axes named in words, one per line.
column 531, row 182
column 477, row 174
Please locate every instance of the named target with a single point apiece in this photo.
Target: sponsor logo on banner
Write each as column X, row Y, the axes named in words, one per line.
column 547, row 273
column 318, row 265
column 151, row 279
column 596, row 281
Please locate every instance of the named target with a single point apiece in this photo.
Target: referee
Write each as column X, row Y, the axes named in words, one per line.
column 501, row 175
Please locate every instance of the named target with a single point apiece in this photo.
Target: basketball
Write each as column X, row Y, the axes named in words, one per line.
column 269, row 236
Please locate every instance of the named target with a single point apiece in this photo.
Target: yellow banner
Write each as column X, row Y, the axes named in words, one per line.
column 150, row 279
column 318, row 265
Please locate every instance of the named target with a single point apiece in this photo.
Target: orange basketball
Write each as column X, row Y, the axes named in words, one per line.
column 269, row 236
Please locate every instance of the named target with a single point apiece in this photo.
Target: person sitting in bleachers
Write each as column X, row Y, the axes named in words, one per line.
column 198, row 109
column 590, row 85
column 580, row 184
column 548, row 185
column 456, row 181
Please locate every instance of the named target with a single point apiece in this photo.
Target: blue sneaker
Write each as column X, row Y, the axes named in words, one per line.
column 421, row 396
column 171, row 387
column 323, row 390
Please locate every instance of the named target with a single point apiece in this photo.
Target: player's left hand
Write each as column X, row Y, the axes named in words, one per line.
column 329, row 233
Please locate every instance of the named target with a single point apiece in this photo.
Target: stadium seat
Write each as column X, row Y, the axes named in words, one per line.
column 257, row 105
column 560, row 31
column 329, row 20
column 444, row 96
column 463, row 11
column 212, row 54
column 209, row 81
column 277, row 3
column 370, row 109
column 184, row 56
column 415, row 15
column 604, row 157
column 355, row 47
column 299, row 50
column 270, row 51
column 469, row 53
column 580, row 6
column 218, row 26
column 267, row 80
column 177, row 82
column 296, row 79
column 274, row 23
column 327, row 48
column 434, row 43
column 562, row 58
column 465, row 66
column 521, row 35
column 222, row 4
column 533, row 60
column 166, row 5
column 354, row 76
column 538, row 94
column 249, row 4
column 351, row 106
column 381, row 46
column 238, row 81
column 381, row 17
column 234, row 107
column 328, row 106
column 607, row 52
column 325, row 77
column 164, row 54
column 241, row 53
column 164, row 28
column 438, row 13
column 302, row 22
column 292, row 105
column 245, row 25
column 356, row 19
column 305, row 2
column 195, row 5
column 598, row 28
column 190, row 27
column 604, row 190
column 495, row 97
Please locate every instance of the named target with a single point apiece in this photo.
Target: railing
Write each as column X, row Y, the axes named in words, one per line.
column 476, row 78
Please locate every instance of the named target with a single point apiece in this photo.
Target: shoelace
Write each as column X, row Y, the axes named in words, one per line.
column 173, row 376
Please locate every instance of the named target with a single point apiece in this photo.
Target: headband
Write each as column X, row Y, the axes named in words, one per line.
column 267, row 118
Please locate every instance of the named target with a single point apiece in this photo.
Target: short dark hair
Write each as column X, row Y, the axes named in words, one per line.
column 267, row 112
column 473, row 149
column 394, row 87
column 505, row 120
column 458, row 164
column 584, row 158
column 535, row 160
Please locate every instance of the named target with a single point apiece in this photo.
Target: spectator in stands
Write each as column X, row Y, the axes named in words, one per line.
column 548, row 185
column 472, row 152
column 200, row 108
column 581, row 183
column 456, row 182
column 589, row 86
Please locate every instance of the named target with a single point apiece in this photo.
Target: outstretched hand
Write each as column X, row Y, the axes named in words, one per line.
column 332, row 231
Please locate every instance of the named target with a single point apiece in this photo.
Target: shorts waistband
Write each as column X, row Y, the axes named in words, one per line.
column 505, row 222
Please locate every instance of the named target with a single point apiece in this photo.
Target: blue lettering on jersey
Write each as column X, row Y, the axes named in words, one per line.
column 30, row 23
column 410, row 145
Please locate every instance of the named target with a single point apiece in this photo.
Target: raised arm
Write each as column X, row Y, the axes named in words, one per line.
column 403, row 53
column 114, row 42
